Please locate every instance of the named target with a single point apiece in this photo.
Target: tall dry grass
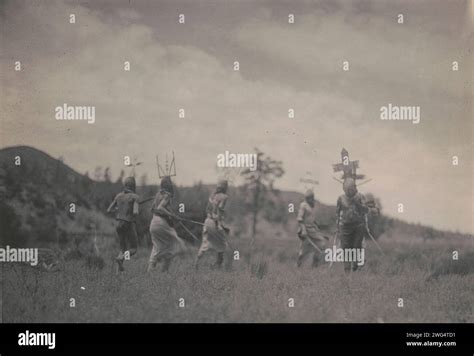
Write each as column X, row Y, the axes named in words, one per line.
column 255, row 288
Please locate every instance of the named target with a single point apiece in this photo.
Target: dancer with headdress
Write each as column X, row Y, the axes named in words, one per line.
column 166, row 243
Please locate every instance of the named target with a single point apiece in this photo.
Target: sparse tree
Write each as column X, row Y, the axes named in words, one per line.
column 260, row 183
column 98, row 173
column 120, row 178
column 107, row 175
column 143, row 180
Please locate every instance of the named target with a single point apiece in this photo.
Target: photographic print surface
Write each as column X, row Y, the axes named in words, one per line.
column 236, row 161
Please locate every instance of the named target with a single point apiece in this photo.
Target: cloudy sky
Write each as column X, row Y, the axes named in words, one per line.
column 282, row 66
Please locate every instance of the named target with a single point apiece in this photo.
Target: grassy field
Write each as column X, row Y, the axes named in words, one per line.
column 434, row 288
